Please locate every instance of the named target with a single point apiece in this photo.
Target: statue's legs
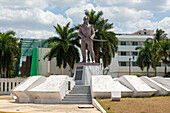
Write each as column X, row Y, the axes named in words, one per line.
column 83, row 50
column 90, row 48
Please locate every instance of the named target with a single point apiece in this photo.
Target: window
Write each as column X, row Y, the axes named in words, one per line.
column 159, row 64
column 135, row 53
column 134, row 43
column 123, row 53
column 122, row 63
column 134, row 64
column 122, row 43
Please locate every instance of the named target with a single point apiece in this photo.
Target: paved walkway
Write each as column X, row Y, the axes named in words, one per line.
column 10, row 105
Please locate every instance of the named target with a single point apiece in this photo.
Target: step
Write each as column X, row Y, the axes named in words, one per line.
column 76, row 102
column 81, row 98
column 79, row 92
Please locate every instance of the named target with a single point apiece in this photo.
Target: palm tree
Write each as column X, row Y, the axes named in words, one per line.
column 9, row 52
column 64, row 46
column 104, row 50
column 164, row 51
column 144, row 58
column 158, row 36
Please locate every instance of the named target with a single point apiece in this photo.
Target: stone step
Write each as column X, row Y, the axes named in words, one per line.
column 79, row 94
column 76, row 102
column 77, row 97
column 80, row 89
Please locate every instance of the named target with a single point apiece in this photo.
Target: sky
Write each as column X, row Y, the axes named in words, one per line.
column 35, row 18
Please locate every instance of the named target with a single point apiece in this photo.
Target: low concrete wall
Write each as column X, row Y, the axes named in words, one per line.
column 8, row 84
column 21, row 91
column 153, row 84
column 140, row 88
column 101, row 86
column 52, row 90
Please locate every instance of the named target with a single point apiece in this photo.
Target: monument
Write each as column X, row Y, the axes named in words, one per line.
column 84, row 70
column 87, row 33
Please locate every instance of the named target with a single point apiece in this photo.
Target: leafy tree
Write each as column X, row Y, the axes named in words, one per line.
column 64, row 46
column 144, row 58
column 164, row 51
column 9, row 52
column 155, row 42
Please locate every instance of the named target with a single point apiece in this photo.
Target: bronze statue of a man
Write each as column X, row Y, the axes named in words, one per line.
column 87, row 33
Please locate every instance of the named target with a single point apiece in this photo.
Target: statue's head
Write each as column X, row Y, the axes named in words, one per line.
column 86, row 19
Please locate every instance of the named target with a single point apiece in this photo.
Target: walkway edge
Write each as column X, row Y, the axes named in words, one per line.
column 98, row 106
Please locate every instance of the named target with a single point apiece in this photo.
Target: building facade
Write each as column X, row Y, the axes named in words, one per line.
column 124, row 62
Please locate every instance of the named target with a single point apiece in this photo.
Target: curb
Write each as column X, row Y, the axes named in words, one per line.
column 98, row 106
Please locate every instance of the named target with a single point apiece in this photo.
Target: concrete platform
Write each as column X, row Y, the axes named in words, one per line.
column 139, row 88
column 21, row 91
column 125, row 92
column 101, row 86
column 163, row 81
column 155, row 85
column 11, row 106
column 52, row 90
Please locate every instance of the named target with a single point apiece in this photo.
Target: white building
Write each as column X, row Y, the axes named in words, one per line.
column 126, row 51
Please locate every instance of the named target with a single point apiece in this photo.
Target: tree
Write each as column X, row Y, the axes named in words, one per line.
column 9, row 52
column 158, row 36
column 64, row 46
column 144, row 58
column 164, row 51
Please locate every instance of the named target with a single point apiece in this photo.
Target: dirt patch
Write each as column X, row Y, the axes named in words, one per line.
column 137, row 105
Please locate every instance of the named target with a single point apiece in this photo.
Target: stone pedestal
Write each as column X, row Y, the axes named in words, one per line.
column 84, row 72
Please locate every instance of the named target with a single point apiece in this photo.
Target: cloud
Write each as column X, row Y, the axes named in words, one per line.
column 114, row 14
column 31, row 21
column 148, row 24
column 41, row 4
column 77, row 13
column 151, row 5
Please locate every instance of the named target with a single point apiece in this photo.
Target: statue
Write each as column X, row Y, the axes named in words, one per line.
column 87, row 33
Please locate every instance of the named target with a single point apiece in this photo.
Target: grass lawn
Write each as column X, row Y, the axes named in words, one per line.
column 137, row 105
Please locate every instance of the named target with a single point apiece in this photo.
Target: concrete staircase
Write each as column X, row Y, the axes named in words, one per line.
column 79, row 94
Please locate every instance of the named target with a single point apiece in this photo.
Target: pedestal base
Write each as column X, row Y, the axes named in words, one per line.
column 84, row 72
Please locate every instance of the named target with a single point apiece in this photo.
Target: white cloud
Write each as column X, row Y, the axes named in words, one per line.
column 114, row 14
column 148, row 24
column 152, row 5
column 66, row 3
column 77, row 13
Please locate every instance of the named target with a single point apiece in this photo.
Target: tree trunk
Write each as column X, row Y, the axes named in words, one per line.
column 147, row 72
column 165, row 69
column 155, row 70
column 97, row 55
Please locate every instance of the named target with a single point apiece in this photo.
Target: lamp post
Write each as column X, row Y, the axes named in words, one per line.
column 130, row 64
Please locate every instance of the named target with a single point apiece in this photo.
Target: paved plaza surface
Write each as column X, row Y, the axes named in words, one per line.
column 10, row 105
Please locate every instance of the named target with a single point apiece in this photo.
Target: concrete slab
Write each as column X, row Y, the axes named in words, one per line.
column 21, row 91
column 52, row 90
column 125, row 92
column 115, row 95
column 11, row 106
column 155, row 85
column 101, row 86
column 139, row 88
column 163, row 81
